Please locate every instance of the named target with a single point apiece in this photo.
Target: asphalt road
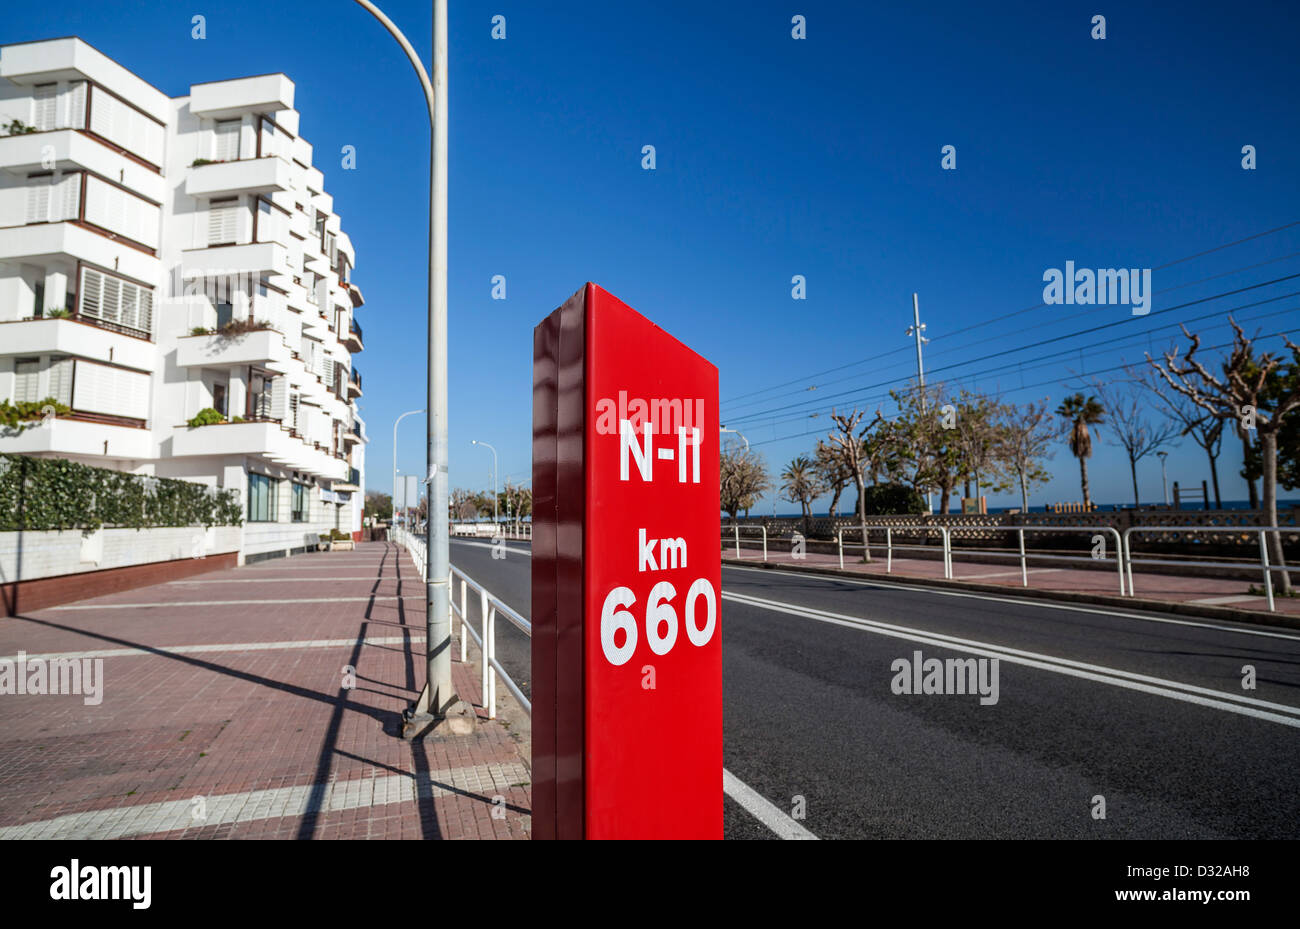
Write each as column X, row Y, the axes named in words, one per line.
column 1146, row 711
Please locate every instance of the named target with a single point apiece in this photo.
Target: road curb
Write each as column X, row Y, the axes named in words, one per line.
column 1201, row 610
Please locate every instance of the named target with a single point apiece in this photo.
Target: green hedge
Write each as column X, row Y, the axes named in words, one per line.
column 54, row 493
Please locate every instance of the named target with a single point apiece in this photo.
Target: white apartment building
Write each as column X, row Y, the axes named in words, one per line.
column 135, row 229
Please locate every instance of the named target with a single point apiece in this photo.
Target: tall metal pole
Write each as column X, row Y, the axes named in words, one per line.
column 916, row 329
column 438, row 696
column 495, row 495
column 404, row 500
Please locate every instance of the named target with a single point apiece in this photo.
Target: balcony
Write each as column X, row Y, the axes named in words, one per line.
column 79, row 336
column 38, row 241
column 351, row 483
column 82, row 436
column 352, row 338
column 28, row 153
column 264, row 439
column 248, row 258
column 227, row 178
column 264, row 347
column 265, row 93
column 354, row 385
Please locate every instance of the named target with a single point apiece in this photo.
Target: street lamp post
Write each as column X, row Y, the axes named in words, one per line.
column 736, row 432
column 1164, row 478
column 438, row 700
column 398, row 420
column 495, row 513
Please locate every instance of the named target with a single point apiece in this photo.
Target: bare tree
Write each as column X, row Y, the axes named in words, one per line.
column 1241, row 394
column 1205, row 429
column 832, row 472
column 850, row 441
column 742, row 478
column 1023, row 439
column 1131, row 428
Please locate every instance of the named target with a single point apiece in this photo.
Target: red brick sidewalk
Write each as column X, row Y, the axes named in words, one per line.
column 1183, row 587
column 225, row 714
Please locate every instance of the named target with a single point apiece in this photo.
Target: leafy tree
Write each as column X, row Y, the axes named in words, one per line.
column 1077, row 413
column 925, row 438
column 379, row 506
column 976, row 415
column 801, row 483
column 891, row 499
column 742, row 478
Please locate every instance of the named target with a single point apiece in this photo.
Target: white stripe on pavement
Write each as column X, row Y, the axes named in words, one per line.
column 289, row 579
column 1188, row 693
column 486, row 780
column 766, row 812
column 1026, row 601
column 213, row 647
column 173, row 603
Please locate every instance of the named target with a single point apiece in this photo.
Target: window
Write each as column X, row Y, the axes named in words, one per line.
column 38, row 309
column 112, row 208
column 222, row 218
column 27, row 375
column 45, row 98
column 261, row 498
column 113, row 300
column 309, row 281
column 50, row 200
column 219, row 398
column 301, row 503
column 125, row 126
column 225, row 315
column 227, row 141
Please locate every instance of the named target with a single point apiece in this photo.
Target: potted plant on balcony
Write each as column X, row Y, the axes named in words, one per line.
column 206, row 417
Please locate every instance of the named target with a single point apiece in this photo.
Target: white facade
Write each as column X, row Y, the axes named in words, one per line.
column 133, row 228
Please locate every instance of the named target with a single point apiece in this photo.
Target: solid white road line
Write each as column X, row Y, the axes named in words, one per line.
column 1041, row 604
column 758, row 806
column 975, row 577
column 215, row 647
column 1174, row 690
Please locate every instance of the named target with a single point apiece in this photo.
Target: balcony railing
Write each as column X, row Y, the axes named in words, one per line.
column 355, row 379
column 355, row 329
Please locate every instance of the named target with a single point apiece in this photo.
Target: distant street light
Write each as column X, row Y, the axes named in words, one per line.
column 495, row 514
column 1164, row 479
column 394, row 501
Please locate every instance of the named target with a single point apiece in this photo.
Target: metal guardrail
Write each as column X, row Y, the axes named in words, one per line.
column 890, row 546
column 736, row 527
column 490, row 606
column 1266, row 569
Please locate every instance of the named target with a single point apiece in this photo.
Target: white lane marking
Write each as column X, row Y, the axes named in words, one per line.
column 758, row 806
column 216, row 647
column 1026, row 601
column 1188, row 693
column 974, row 577
column 174, row 603
column 1212, row 601
column 485, row 780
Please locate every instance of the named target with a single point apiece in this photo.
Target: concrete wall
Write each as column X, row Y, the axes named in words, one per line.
column 26, row 556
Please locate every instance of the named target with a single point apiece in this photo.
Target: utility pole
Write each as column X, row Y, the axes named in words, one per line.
column 916, row 329
column 438, row 700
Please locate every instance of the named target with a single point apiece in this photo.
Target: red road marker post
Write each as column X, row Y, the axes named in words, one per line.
column 626, row 583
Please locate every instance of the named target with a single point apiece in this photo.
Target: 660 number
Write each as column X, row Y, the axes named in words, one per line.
column 659, row 615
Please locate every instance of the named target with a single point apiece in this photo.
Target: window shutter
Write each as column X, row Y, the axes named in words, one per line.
column 45, row 98
column 227, row 141
column 221, row 222
column 38, row 198
column 27, row 375
column 77, row 116
column 280, row 399
column 61, row 381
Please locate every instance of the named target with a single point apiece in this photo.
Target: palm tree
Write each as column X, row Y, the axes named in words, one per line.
column 801, row 483
column 1078, row 413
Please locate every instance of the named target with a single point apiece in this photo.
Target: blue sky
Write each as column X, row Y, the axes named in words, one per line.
column 778, row 157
